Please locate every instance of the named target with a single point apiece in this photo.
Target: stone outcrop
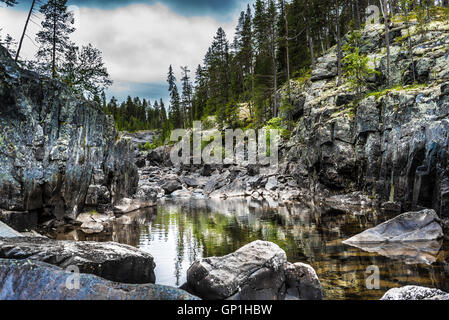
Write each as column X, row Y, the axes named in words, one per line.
column 35, row 280
column 58, row 152
column 408, row 227
column 415, row 293
column 257, row 271
column 391, row 143
column 112, row 261
column 8, row 232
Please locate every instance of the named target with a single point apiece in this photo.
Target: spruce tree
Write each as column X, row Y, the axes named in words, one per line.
column 175, row 114
column 54, row 36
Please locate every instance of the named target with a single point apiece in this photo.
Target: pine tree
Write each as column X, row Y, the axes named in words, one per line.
column 355, row 64
column 54, row 38
column 9, row 3
column 186, row 98
column 84, row 70
column 175, row 114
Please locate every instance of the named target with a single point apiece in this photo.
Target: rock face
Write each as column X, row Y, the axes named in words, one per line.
column 391, row 143
column 112, row 261
column 415, row 293
column 57, row 151
column 34, row 280
column 257, row 271
column 408, row 227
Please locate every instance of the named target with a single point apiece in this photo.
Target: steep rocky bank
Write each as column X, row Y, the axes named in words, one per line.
column 392, row 144
column 59, row 153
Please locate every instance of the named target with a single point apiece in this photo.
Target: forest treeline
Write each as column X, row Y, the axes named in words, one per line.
column 275, row 41
column 82, row 68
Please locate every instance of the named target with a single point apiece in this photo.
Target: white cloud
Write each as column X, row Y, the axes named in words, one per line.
column 138, row 41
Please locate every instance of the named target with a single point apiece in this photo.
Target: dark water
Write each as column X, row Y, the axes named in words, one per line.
column 178, row 233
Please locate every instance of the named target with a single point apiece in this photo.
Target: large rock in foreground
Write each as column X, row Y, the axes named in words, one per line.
column 34, row 280
column 415, row 293
column 411, row 226
column 257, row 271
column 112, row 261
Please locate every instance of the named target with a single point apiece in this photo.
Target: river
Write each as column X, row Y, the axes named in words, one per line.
column 177, row 233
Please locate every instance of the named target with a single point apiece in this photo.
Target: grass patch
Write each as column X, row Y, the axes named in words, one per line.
column 397, row 88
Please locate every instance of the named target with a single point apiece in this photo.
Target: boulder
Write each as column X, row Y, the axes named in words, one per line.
column 272, row 183
column 252, row 272
column 112, row 261
column 140, row 163
column 171, row 185
column 257, row 271
column 35, row 280
column 412, row 226
column 91, row 227
column 127, row 205
column 415, row 293
column 8, row 232
column 302, row 282
column 154, row 157
column 191, row 182
column 391, row 207
column 147, row 194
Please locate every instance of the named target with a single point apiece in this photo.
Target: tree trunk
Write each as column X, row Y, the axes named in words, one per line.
column 310, row 42
column 387, row 41
column 338, row 36
column 357, row 15
column 24, row 30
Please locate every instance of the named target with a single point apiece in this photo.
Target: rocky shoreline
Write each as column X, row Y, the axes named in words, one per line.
column 62, row 163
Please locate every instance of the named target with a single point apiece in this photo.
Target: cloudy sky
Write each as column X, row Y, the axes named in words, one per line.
column 139, row 38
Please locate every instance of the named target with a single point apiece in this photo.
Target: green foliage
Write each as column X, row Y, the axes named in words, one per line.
column 356, row 65
column 379, row 94
column 277, row 124
column 146, row 146
column 54, row 36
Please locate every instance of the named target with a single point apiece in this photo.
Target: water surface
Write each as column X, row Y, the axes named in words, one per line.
column 179, row 232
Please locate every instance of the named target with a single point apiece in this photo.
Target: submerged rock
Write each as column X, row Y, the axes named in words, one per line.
column 412, row 252
column 415, row 293
column 92, row 227
column 35, row 280
column 112, row 261
column 127, row 205
column 411, row 226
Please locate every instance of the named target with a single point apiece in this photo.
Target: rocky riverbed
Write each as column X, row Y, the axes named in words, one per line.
column 63, row 165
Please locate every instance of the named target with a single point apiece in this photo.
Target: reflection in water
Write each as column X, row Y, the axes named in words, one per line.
column 408, row 252
column 184, row 231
